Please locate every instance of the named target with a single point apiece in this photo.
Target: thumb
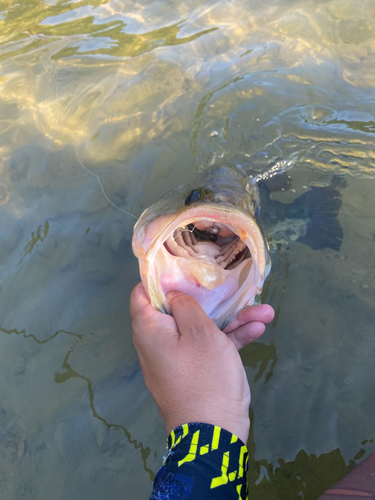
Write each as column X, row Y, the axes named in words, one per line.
column 190, row 318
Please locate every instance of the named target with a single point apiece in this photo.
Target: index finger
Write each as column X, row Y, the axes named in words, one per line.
column 147, row 322
column 139, row 302
column 263, row 313
column 144, row 316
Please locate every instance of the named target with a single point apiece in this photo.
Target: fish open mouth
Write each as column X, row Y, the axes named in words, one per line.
column 204, row 253
column 204, row 240
column 213, row 252
column 216, row 242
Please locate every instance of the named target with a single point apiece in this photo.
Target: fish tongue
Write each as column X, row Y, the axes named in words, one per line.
column 207, row 273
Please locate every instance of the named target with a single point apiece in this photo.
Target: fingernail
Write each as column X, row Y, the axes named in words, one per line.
column 172, row 295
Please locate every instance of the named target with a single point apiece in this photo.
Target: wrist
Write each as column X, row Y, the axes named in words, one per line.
column 237, row 423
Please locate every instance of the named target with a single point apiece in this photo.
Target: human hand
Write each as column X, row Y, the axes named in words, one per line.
column 192, row 368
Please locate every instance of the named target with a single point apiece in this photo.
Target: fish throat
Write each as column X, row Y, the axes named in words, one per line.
column 204, row 253
column 208, row 240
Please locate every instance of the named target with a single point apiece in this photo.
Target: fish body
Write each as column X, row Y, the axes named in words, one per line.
column 311, row 219
column 203, row 239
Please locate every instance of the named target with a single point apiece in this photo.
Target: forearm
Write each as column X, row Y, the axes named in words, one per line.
column 202, row 461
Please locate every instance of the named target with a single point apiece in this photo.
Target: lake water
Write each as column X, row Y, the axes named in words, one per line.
column 106, row 105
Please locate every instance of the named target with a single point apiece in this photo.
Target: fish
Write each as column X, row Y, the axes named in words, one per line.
column 203, row 239
column 206, row 238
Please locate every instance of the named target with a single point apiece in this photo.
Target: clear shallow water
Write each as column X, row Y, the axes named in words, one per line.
column 144, row 95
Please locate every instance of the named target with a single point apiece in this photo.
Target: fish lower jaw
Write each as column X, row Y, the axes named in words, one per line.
column 216, row 293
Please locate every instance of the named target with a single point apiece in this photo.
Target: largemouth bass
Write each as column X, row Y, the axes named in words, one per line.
column 203, row 239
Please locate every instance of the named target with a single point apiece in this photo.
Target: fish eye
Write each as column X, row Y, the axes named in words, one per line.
column 199, row 194
column 193, row 196
column 254, row 209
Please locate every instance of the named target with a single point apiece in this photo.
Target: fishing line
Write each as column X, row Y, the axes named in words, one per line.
column 89, row 171
column 181, row 230
column 100, row 184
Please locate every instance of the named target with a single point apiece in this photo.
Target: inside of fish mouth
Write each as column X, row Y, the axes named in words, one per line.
column 231, row 250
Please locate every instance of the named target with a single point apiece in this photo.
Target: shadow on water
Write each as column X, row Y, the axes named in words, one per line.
column 70, row 373
column 260, row 354
column 24, row 334
column 307, row 476
column 35, row 239
column 274, row 288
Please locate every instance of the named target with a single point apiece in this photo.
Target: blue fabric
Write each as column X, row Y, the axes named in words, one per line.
column 203, row 462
